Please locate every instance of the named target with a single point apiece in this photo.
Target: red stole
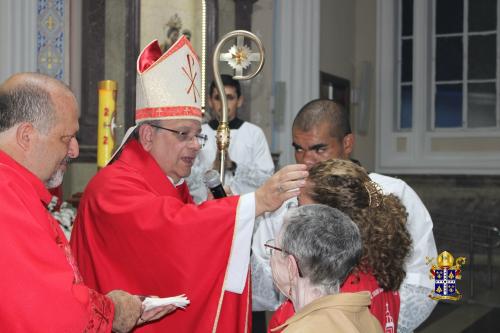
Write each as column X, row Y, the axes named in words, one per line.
column 135, row 231
column 41, row 286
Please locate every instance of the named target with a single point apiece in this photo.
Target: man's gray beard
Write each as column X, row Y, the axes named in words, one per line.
column 55, row 180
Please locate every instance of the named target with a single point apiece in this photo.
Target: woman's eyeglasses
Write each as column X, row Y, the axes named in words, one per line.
column 270, row 248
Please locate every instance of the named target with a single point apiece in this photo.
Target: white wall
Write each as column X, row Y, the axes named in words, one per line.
column 337, row 37
column 365, row 51
column 347, row 40
column 18, row 35
column 261, row 92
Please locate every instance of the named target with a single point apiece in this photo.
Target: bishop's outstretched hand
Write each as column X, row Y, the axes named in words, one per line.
column 283, row 185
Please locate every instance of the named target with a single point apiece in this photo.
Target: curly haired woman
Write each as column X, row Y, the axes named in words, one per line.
column 381, row 219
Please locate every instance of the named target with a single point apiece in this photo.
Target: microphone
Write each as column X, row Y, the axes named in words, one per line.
column 211, row 179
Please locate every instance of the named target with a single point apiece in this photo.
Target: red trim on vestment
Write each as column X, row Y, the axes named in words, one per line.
column 146, row 59
column 167, row 111
column 180, row 43
column 149, row 56
column 135, row 231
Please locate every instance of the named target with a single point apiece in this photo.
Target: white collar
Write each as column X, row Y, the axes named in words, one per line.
column 179, row 183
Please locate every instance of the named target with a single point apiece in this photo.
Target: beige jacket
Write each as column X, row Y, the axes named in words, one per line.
column 340, row 313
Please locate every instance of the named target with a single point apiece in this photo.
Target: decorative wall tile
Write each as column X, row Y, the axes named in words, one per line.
column 50, row 38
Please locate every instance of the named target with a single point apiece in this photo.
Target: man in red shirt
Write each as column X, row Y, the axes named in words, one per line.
column 42, row 289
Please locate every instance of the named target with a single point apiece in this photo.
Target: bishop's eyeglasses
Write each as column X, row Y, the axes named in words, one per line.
column 270, row 248
column 185, row 136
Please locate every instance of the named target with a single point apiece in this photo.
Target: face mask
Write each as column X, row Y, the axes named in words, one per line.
column 281, row 277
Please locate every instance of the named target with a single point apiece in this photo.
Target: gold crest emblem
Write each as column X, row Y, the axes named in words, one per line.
column 445, row 272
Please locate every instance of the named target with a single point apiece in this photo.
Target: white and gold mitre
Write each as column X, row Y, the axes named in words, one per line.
column 169, row 84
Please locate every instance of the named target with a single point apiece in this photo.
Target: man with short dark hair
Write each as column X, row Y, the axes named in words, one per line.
column 42, row 289
column 321, row 131
column 249, row 164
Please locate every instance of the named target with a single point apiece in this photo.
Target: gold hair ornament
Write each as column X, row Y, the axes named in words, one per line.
column 375, row 194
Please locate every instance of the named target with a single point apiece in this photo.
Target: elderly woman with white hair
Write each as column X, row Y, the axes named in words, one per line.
column 315, row 251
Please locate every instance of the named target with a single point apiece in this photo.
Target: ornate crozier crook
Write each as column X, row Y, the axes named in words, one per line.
column 239, row 57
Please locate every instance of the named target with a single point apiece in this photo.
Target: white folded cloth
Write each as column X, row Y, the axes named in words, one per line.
column 180, row 301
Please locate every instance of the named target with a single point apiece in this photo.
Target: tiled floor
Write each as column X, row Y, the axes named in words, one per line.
column 459, row 318
column 488, row 323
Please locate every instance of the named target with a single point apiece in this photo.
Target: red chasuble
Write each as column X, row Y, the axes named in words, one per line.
column 42, row 290
column 384, row 304
column 135, row 231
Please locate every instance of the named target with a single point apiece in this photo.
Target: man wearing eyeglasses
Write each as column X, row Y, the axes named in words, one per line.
column 249, row 164
column 137, row 225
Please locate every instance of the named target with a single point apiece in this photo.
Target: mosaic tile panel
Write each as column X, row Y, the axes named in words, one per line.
column 50, row 38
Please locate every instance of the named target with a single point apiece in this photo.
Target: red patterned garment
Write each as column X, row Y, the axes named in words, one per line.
column 384, row 304
column 42, row 289
column 137, row 232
